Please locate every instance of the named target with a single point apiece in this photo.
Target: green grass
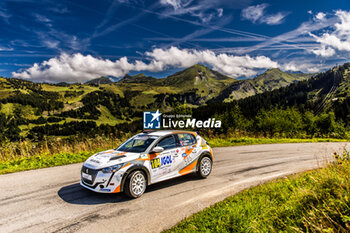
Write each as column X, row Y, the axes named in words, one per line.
column 223, row 142
column 106, row 117
column 36, row 162
column 50, row 160
column 314, row 201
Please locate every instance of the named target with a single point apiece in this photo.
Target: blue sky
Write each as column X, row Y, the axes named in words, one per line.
column 77, row 40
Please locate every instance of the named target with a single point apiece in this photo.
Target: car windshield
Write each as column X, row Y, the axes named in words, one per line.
column 137, row 144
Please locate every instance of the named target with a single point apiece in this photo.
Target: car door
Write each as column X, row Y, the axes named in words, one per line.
column 188, row 151
column 162, row 163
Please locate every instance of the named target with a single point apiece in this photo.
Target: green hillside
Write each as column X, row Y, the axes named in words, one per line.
column 38, row 109
column 269, row 80
column 316, row 107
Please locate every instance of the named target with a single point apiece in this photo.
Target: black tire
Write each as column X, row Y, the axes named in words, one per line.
column 132, row 186
column 205, row 165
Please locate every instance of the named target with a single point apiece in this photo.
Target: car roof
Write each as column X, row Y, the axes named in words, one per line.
column 167, row 132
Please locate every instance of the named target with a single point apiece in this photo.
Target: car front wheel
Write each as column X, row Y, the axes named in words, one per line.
column 135, row 184
column 205, row 167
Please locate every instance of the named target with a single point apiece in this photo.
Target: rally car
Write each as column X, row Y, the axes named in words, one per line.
column 145, row 159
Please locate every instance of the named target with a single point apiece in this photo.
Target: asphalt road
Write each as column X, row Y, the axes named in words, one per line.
column 51, row 199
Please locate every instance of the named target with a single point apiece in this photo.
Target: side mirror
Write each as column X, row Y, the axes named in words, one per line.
column 157, row 149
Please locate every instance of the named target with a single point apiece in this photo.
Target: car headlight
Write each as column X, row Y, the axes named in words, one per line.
column 112, row 168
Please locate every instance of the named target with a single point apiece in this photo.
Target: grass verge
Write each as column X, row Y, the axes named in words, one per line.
column 42, row 161
column 224, row 142
column 314, row 201
column 80, row 151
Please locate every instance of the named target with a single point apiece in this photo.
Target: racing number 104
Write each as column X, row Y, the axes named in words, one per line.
column 155, row 163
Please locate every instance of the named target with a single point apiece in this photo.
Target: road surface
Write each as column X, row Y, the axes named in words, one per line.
column 51, row 199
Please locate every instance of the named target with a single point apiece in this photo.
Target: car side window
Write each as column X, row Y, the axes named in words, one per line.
column 167, row 142
column 186, row 139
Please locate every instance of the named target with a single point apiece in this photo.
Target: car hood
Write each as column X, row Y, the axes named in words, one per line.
column 110, row 158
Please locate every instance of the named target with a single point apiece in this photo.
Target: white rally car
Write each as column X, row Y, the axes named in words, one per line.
column 145, row 159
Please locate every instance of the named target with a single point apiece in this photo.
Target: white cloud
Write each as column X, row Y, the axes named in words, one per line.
column 59, row 9
column 41, row 18
column 4, row 14
column 274, row 19
column 304, row 67
column 80, row 68
column 323, row 51
column 205, row 10
column 176, row 4
column 256, row 14
column 6, row 48
column 336, row 39
column 320, row 16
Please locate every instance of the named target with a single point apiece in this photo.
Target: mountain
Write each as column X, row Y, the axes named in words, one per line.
column 194, row 85
column 139, row 78
column 101, row 80
column 269, row 80
column 325, row 92
column 36, row 106
column 198, row 77
column 318, row 107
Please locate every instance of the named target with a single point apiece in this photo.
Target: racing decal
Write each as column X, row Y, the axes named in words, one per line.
column 125, row 166
column 187, row 152
column 117, row 189
column 189, row 168
column 159, row 162
column 184, row 155
column 105, row 190
column 188, row 159
column 174, row 158
column 155, row 163
column 109, row 151
column 94, row 161
column 143, row 158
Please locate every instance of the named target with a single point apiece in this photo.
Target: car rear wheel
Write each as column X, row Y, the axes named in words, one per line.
column 135, row 184
column 205, row 167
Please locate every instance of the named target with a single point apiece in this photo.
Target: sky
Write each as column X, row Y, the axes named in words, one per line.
column 79, row 40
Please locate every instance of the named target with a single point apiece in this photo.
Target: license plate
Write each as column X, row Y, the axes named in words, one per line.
column 86, row 176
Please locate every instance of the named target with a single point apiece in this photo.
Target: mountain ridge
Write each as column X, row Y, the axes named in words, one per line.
column 270, row 80
column 105, row 102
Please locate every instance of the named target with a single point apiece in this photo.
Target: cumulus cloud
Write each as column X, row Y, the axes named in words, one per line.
column 305, row 67
column 81, row 68
column 323, row 51
column 336, row 39
column 256, row 14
